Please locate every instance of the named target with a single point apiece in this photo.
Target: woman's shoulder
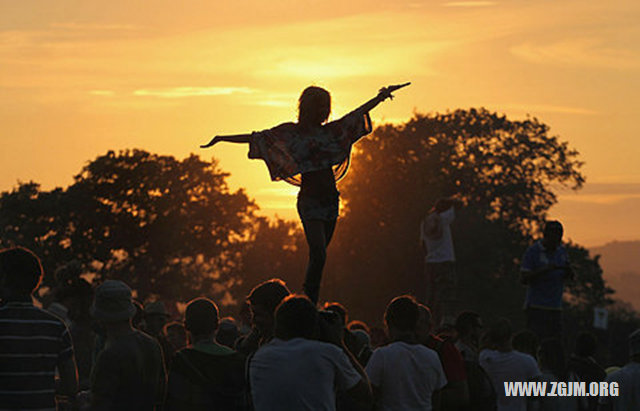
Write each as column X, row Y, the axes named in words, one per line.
column 285, row 127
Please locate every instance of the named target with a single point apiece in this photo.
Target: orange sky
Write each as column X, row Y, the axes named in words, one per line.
column 78, row 78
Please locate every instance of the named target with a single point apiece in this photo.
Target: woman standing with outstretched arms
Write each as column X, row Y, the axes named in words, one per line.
column 313, row 155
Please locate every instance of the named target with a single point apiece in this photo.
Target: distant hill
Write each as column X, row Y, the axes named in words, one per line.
column 620, row 261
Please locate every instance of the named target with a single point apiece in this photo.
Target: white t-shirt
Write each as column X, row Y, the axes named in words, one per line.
column 440, row 250
column 299, row 374
column 628, row 379
column 406, row 375
column 511, row 366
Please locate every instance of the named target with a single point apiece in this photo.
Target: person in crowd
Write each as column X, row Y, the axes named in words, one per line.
column 405, row 374
column 33, row 342
column 628, row 379
column 456, row 393
column 296, row 372
column 205, row 375
column 77, row 295
column 468, row 328
column 504, row 364
column 263, row 300
column 129, row 372
column 244, row 318
column 482, row 394
column 545, row 267
column 339, row 309
column 312, row 154
column 526, row 341
column 138, row 318
column 227, row 333
column 362, row 345
column 137, row 322
column 155, row 318
column 360, row 349
column 553, row 368
column 440, row 275
column 582, row 362
column 585, row 367
column 359, row 325
column 175, row 338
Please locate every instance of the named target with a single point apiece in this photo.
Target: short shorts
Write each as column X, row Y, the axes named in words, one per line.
column 312, row 208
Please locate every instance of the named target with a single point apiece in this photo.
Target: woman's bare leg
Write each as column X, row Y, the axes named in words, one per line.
column 318, row 234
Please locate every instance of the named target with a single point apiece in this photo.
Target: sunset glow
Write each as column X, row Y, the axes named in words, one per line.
column 80, row 78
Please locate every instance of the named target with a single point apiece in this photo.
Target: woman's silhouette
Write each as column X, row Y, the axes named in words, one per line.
column 312, row 154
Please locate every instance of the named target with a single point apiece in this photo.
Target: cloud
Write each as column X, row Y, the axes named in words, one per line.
column 378, row 120
column 602, row 199
column 589, row 52
column 273, row 103
column 470, row 4
column 103, row 93
column 592, row 220
column 543, row 108
column 94, row 27
column 180, row 92
column 602, row 193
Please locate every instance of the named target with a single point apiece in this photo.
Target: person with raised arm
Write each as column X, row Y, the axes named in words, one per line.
column 313, row 155
column 545, row 269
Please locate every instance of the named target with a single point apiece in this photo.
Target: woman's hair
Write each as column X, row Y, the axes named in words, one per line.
column 314, row 106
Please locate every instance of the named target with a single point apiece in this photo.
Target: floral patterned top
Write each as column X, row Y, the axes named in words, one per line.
column 288, row 152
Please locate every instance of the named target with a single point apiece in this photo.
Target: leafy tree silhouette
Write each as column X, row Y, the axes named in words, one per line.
column 168, row 228
column 505, row 172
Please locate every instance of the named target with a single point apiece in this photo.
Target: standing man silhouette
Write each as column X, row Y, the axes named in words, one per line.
column 440, row 275
column 545, row 266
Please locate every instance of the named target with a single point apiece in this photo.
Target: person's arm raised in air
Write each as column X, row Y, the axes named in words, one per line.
column 360, row 394
column 383, row 94
column 233, row 138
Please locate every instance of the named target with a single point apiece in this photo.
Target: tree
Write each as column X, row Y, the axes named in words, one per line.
column 503, row 170
column 275, row 248
column 168, row 228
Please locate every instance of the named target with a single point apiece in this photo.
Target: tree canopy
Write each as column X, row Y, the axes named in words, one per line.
column 504, row 172
column 169, row 228
column 173, row 229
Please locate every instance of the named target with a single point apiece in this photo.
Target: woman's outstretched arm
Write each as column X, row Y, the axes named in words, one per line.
column 234, row 138
column 383, row 94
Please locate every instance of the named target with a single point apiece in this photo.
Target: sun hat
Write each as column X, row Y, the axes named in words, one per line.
column 156, row 308
column 113, row 302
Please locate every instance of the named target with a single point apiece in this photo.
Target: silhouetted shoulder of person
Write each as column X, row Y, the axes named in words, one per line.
column 129, row 374
column 207, row 376
column 587, row 369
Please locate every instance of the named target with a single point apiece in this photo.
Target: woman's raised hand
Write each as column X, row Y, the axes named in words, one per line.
column 213, row 141
column 385, row 92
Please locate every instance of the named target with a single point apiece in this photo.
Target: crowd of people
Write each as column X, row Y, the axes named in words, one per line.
column 99, row 349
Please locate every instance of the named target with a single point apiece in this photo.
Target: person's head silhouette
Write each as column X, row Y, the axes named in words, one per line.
column 314, row 106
